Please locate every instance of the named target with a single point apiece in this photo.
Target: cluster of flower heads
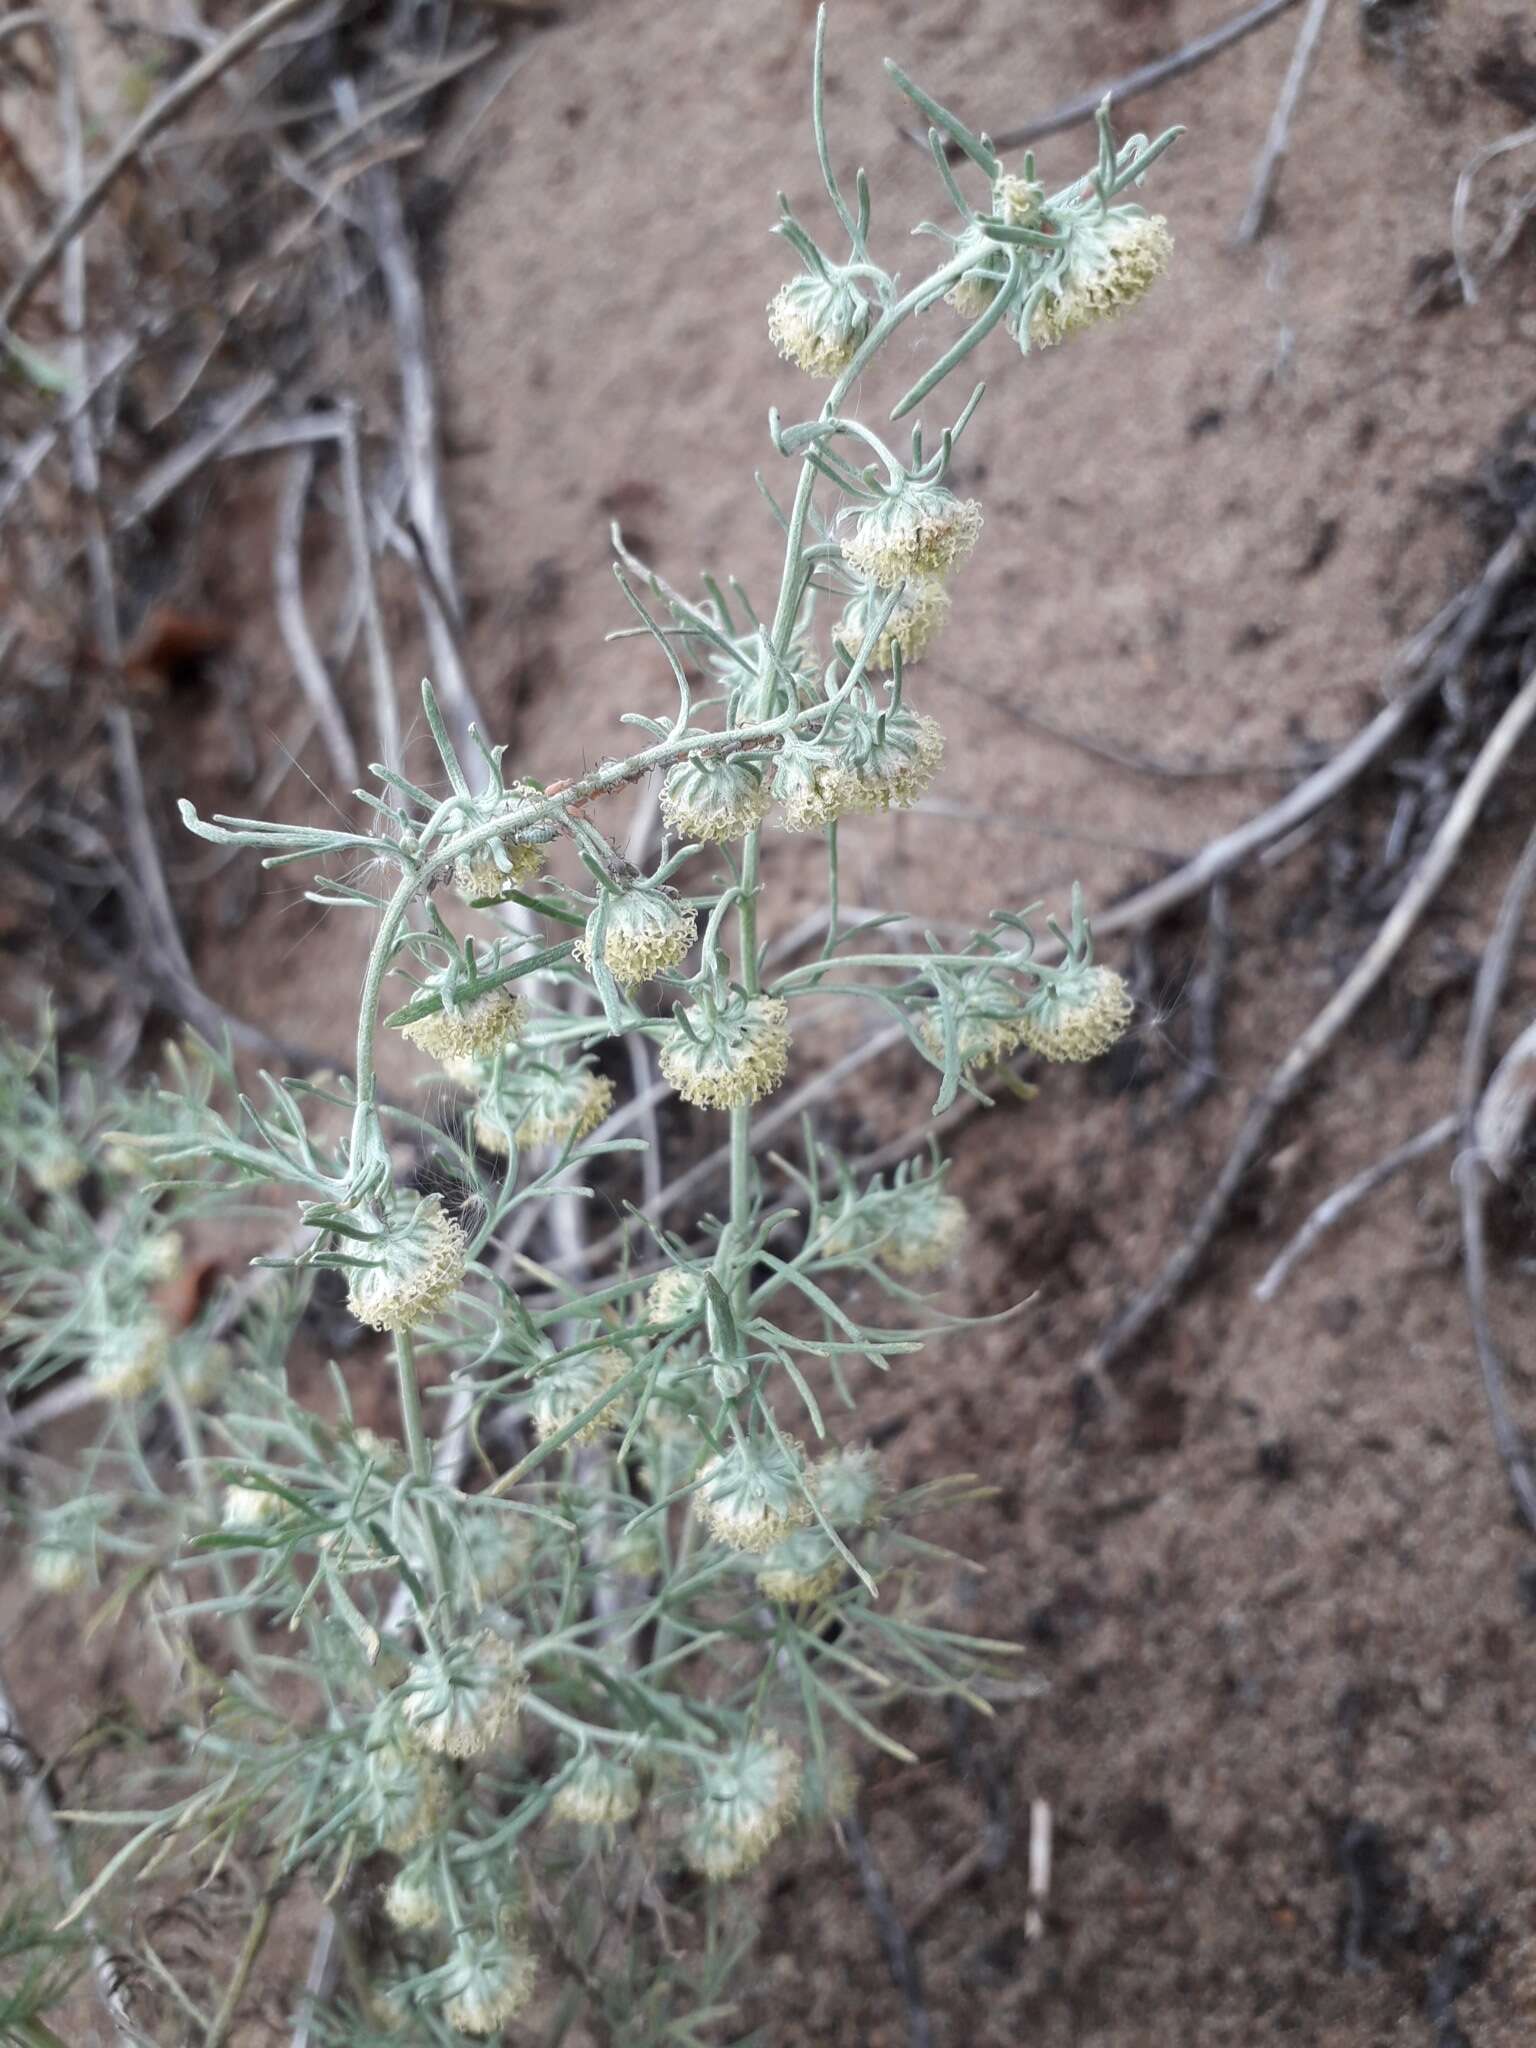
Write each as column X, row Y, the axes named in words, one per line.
column 810, row 1536
column 1077, row 1013
column 874, row 761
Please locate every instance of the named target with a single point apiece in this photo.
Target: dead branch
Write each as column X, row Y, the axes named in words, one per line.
column 1288, row 1078
column 19, row 1765
column 1430, row 657
column 1337, row 1205
column 1474, row 1175
column 1206, row 992
column 900, row 1956
column 386, row 709
column 1276, row 142
column 419, row 446
column 1074, row 112
column 196, row 452
column 1504, row 1112
column 293, row 620
column 1508, row 235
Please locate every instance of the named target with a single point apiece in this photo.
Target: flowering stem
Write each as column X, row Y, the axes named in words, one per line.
column 591, row 1731
column 418, row 1448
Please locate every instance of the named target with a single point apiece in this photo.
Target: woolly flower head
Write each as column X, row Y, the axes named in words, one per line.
column 1015, row 200
column 467, row 1028
column 497, row 1548
column 981, row 280
column 1111, row 264
column 597, row 1792
column 801, row 1569
column 896, row 760
column 847, row 1486
column 486, row 1982
column 58, row 1566
column 250, row 1507
column 675, row 1296
column 130, row 1358
column 760, row 683
column 917, row 530
column 405, row 1793
column 817, row 323
column 812, row 784
column 567, row 1390
column 414, row 1900
column 461, row 1700
column 543, row 1103
column 733, row 1051
column 920, row 612
column 1079, row 1015
column 916, row 1226
column 988, row 1019
column 55, row 1164
column 158, row 1258
column 746, row 1799
column 753, row 1495
column 202, row 1368
column 638, row 933
column 416, row 1261
column 713, row 797
column 494, row 870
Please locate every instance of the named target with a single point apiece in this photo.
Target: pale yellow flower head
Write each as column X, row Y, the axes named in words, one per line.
column 817, row 323
column 1080, row 1017
column 737, row 1054
column 597, row 1792
column 753, row 1495
column 746, row 1799
column 1111, row 265
column 470, row 1029
column 417, row 1261
column 912, row 627
column 130, row 1358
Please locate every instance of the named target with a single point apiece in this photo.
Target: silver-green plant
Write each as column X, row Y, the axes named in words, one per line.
column 597, row 1633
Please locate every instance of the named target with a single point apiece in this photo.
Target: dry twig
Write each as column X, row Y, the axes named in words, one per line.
column 1276, row 142
column 1514, row 221
column 1337, row 1205
column 900, row 1956
column 1285, row 1083
column 1474, row 1175
column 293, row 620
column 20, row 1767
column 1158, row 72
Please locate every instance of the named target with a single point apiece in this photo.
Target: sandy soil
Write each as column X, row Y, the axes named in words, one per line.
column 1280, row 1615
